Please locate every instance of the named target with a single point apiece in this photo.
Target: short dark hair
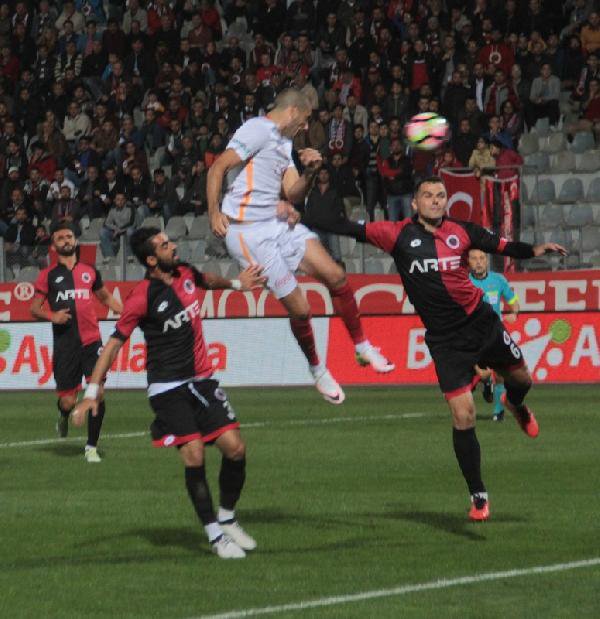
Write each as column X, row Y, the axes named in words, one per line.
column 141, row 243
column 61, row 225
column 427, row 179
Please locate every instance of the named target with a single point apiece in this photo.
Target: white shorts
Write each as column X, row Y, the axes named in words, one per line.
column 273, row 245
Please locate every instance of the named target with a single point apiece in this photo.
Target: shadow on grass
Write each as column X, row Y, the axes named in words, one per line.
column 186, row 538
column 65, row 450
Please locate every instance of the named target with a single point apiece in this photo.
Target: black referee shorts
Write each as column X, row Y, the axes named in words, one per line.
column 483, row 341
column 72, row 362
column 196, row 410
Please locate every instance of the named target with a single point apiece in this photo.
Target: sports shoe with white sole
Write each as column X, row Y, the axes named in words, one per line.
column 91, row 455
column 328, row 387
column 372, row 356
column 233, row 529
column 226, row 548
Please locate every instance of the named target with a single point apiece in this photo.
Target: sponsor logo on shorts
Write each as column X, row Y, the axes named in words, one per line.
column 182, row 317
column 71, row 295
column 282, row 281
column 435, row 264
column 168, row 440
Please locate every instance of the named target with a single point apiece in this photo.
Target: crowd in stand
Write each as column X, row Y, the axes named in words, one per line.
column 116, row 110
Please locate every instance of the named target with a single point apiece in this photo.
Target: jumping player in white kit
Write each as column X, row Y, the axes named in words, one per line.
column 260, row 173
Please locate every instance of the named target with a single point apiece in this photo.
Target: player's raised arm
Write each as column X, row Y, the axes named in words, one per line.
column 492, row 243
column 90, row 397
column 295, row 186
column 214, row 186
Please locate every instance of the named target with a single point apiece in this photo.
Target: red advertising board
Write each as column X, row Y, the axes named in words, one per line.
column 558, row 348
column 561, row 291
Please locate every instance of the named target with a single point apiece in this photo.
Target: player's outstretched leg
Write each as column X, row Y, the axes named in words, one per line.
column 94, row 426
column 468, row 453
column 231, row 481
column 517, row 383
column 299, row 311
column 222, row 545
column 65, row 404
column 319, row 264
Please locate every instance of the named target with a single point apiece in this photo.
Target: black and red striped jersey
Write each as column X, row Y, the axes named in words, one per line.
column 169, row 317
column 64, row 288
column 434, row 265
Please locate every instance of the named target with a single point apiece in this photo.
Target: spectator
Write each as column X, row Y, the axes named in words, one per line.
column 194, row 197
column 589, row 119
column 499, row 92
column 76, row 125
column 137, row 187
column 590, row 34
column 89, row 194
column 57, row 183
column 110, row 186
column 66, row 210
column 339, row 133
column 19, row 239
column 504, row 158
column 545, row 92
column 162, row 197
column 134, row 13
column 511, row 121
column 36, row 186
column 41, row 246
column 342, row 177
column 119, row 222
column 481, row 159
column 396, row 172
column 464, row 142
column 356, row 114
column 324, row 206
column 70, row 14
column 454, row 98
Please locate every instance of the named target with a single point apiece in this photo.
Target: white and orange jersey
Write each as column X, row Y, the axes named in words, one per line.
column 254, row 187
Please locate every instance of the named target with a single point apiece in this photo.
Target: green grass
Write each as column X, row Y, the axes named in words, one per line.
column 337, row 508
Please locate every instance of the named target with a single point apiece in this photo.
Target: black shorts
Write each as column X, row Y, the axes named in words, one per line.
column 196, row 410
column 483, row 341
column 71, row 363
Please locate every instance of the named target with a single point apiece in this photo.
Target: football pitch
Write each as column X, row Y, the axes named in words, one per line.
column 358, row 510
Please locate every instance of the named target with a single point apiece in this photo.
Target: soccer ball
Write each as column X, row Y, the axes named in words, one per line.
column 426, row 131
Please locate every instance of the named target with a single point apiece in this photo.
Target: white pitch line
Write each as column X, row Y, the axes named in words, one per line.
column 256, row 424
column 444, row 583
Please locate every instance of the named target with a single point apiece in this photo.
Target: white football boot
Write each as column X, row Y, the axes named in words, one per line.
column 226, row 548
column 327, row 386
column 91, row 455
column 372, row 356
column 238, row 535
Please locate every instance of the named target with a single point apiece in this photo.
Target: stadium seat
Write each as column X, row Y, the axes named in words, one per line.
column 588, row 162
column 110, row 274
column 358, row 213
column 197, row 250
column 563, row 161
column 347, row 245
column 580, row 215
column 27, row 274
column 542, row 127
column 176, row 228
column 529, row 235
column 553, row 143
column 152, row 222
column 538, row 264
column 596, row 212
column 92, row 232
column 528, row 144
column 582, row 142
column 571, row 191
column 215, row 247
column 134, row 272
column 595, row 260
column 375, row 266
column 379, row 214
column 353, row 265
column 537, row 162
column 551, row 216
column 200, row 228
column 230, row 269
column 593, row 192
column 529, row 215
column 590, row 239
column 212, row 266
column 543, row 192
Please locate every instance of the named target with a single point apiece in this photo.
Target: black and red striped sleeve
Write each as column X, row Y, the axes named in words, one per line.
column 134, row 310
column 41, row 285
column 384, row 234
column 492, row 243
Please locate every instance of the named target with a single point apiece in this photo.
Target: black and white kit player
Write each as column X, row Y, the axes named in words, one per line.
column 462, row 330
column 190, row 409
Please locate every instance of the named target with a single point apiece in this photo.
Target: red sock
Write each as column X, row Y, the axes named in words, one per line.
column 345, row 307
column 302, row 330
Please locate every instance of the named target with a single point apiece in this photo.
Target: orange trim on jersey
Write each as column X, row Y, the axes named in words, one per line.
column 249, row 188
column 245, row 249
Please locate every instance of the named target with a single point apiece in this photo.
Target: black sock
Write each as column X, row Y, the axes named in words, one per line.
column 197, row 487
column 515, row 394
column 231, row 481
column 61, row 410
column 468, row 454
column 94, row 425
